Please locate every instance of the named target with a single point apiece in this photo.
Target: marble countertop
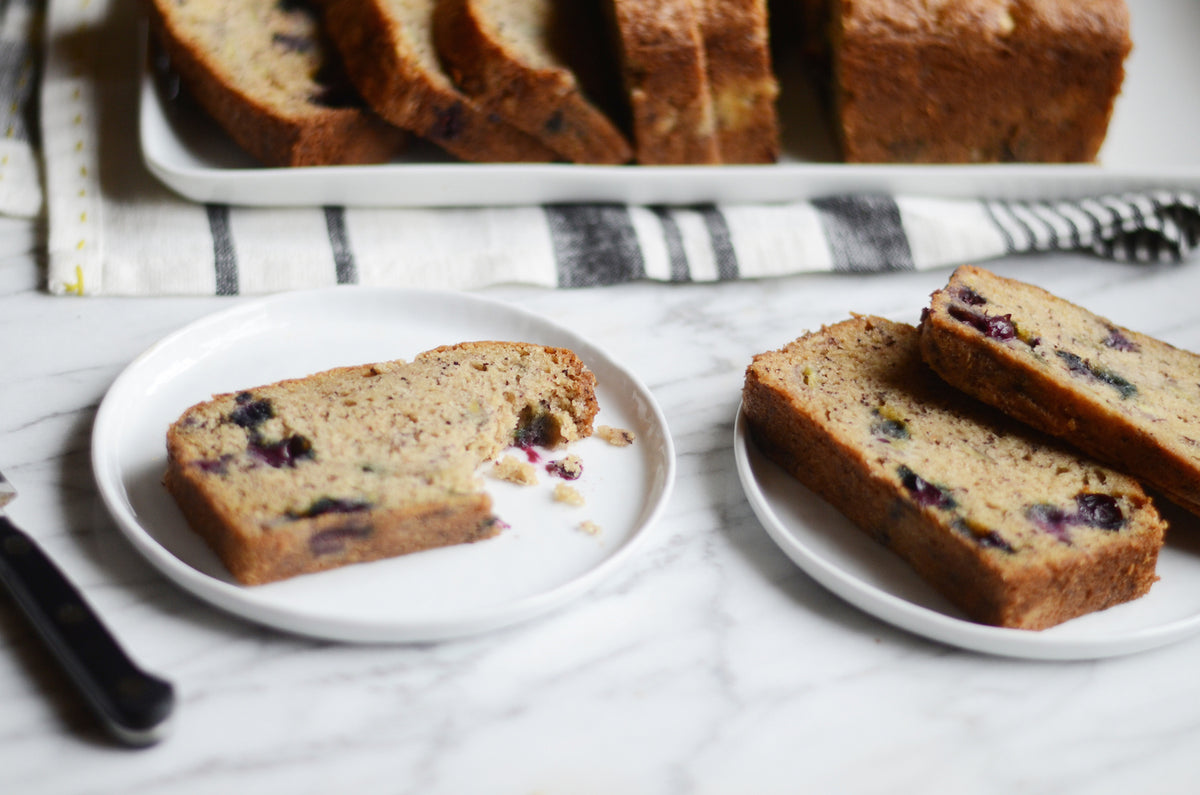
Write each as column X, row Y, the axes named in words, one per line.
column 709, row 663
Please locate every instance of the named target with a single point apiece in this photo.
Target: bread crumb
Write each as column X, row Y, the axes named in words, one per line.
column 569, row 468
column 515, row 470
column 618, row 437
column 590, row 527
column 567, row 494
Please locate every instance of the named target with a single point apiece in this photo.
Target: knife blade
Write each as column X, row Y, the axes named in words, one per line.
column 133, row 705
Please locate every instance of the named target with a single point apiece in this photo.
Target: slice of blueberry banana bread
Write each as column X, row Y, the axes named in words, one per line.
column 264, row 72
column 742, row 80
column 366, row 462
column 526, row 60
column 660, row 49
column 1014, row 528
column 1121, row 396
column 390, row 54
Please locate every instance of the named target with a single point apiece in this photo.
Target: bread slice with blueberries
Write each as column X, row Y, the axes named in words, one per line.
column 263, row 70
column 366, row 462
column 1015, row 528
column 1120, row 395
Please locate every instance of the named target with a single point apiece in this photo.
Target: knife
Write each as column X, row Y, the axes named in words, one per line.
column 133, row 705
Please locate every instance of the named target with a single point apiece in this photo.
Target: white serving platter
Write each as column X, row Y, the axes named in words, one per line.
column 1153, row 142
column 544, row 558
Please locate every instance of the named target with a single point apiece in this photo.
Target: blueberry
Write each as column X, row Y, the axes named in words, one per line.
column 924, row 492
column 292, row 43
column 969, row 296
column 333, row 539
column 554, row 124
column 997, row 327
column 994, row 540
column 448, row 123
column 888, row 427
column 1099, row 510
column 251, row 413
column 284, row 453
column 534, row 430
column 324, row 505
column 1080, row 366
column 217, row 466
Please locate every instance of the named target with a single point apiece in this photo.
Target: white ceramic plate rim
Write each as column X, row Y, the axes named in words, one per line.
column 877, row 600
column 122, row 400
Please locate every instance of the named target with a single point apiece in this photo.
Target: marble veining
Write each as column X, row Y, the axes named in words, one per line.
column 708, row 664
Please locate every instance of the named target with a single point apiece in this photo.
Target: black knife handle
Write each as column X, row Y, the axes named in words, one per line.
column 132, row 704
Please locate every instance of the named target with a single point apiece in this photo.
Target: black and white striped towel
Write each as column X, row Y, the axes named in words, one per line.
column 113, row 230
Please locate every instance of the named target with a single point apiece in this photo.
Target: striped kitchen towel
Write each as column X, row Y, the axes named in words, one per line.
column 114, row 230
column 20, row 179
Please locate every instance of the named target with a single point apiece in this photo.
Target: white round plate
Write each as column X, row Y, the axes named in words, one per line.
column 543, row 560
column 844, row 559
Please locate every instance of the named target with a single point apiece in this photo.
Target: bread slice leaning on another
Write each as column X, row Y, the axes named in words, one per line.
column 264, row 73
column 390, row 55
column 515, row 57
column 660, row 49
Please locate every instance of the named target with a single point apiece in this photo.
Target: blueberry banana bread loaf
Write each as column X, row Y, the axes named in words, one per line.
column 526, row 61
column 263, row 71
column 660, row 49
column 389, row 51
column 976, row 80
column 1014, row 528
column 366, row 462
column 1121, row 396
column 742, row 80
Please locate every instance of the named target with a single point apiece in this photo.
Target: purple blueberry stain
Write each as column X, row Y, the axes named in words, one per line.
column 215, row 466
column 1050, row 519
column 448, row 123
column 1119, row 342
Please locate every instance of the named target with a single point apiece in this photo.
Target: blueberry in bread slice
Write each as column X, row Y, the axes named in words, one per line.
column 264, row 72
column 1119, row 395
column 1013, row 527
column 536, row 64
column 391, row 57
column 366, row 462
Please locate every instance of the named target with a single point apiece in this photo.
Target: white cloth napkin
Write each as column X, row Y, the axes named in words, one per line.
column 113, row 230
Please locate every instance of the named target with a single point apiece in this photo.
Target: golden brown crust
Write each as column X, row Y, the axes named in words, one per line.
column 814, row 407
column 277, row 131
column 663, row 62
column 391, row 60
column 1148, row 432
column 367, row 462
column 514, row 70
column 977, row 80
column 741, row 79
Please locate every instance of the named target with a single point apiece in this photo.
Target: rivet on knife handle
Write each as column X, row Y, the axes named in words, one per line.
column 134, row 705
